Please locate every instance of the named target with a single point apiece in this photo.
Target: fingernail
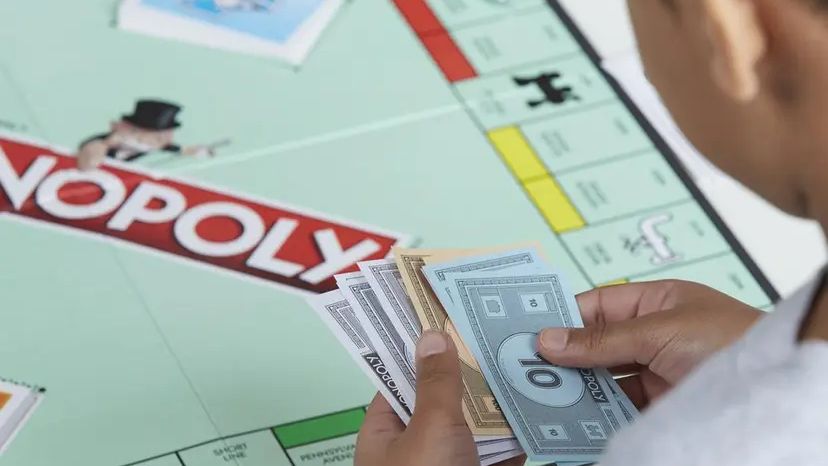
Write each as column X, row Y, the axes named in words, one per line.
column 554, row 339
column 431, row 343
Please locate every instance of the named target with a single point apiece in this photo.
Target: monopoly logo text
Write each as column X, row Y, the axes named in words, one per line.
column 252, row 237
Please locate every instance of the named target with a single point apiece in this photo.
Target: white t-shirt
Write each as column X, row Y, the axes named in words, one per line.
column 762, row 401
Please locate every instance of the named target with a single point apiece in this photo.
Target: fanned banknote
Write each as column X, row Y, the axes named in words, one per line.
column 338, row 314
column 557, row 414
column 385, row 279
column 516, row 261
column 389, row 344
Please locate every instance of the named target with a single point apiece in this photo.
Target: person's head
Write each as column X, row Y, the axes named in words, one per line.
column 747, row 81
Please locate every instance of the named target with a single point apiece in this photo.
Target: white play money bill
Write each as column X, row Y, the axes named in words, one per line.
column 487, row 460
column 399, row 359
column 387, row 282
column 338, row 314
column 496, row 446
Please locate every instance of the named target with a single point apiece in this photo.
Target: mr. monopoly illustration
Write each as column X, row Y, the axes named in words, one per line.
column 150, row 128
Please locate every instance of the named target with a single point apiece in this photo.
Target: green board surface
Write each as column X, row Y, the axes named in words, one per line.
column 154, row 361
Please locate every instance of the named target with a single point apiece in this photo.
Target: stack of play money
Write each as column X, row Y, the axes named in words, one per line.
column 492, row 303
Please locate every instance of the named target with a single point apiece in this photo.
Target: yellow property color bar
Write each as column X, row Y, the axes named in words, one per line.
column 517, row 153
column 547, row 195
column 554, row 205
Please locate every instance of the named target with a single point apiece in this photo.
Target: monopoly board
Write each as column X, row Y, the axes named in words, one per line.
column 161, row 301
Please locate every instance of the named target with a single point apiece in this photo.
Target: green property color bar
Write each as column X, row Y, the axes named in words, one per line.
column 320, row 428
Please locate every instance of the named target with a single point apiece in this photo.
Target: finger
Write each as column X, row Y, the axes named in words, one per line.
column 623, row 302
column 439, row 385
column 635, row 341
column 380, row 427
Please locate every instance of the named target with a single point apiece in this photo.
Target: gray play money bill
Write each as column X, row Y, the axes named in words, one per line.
column 520, row 261
column 389, row 344
column 339, row 316
column 512, row 262
column 557, row 414
column 385, row 279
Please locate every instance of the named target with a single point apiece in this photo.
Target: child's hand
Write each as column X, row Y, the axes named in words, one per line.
column 665, row 328
column 437, row 434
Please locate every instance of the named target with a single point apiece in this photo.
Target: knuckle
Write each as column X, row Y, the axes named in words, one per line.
column 666, row 294
column 432, row 375
column 433, row 416
column 670, row 286
column 595, row 337
column 438, row 420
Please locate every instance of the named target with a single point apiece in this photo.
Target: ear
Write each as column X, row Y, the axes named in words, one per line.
column 738, row 41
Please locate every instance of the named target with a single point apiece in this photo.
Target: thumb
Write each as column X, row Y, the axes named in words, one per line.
column 439, row 384
column 606, row 344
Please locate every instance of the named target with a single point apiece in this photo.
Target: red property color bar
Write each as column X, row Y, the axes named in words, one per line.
column 437, row 40
column 215, row 228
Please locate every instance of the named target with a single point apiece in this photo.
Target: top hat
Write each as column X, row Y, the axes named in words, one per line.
column 154, row 115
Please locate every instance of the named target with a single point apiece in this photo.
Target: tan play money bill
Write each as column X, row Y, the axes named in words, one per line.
column 479, row 406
